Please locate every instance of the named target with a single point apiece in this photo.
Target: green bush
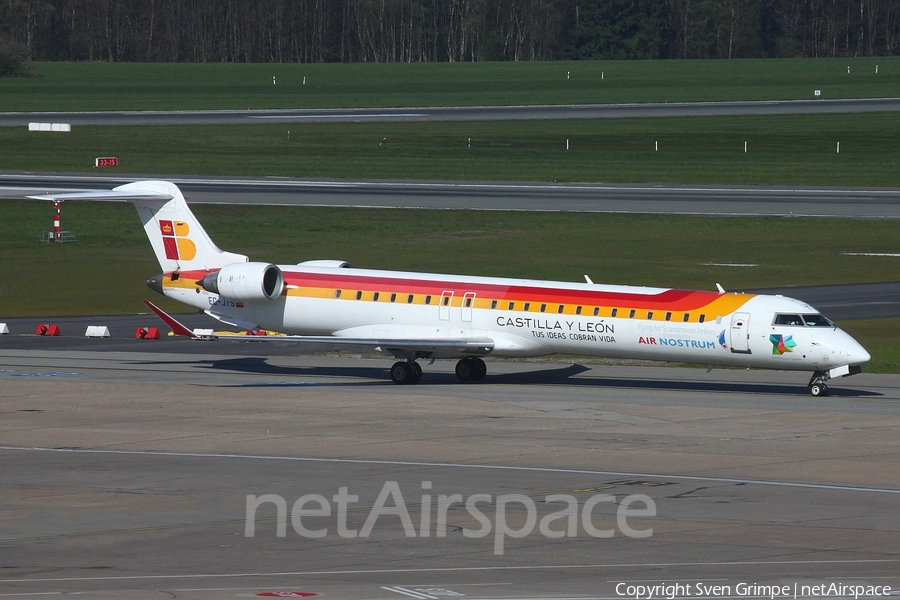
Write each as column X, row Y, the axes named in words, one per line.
column 12, row 59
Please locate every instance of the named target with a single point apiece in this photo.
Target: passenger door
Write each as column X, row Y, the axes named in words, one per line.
column 444, row 309
column 740, row 333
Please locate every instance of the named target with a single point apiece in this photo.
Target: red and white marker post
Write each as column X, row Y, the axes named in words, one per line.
column 56, row 236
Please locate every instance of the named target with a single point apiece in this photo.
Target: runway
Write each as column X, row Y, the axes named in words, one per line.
column 735, row 201
column 456, row 113
column 126, row 474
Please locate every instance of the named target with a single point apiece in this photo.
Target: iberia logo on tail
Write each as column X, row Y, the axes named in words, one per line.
column 175, row 241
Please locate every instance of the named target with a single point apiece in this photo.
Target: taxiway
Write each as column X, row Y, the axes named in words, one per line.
column 126, row 474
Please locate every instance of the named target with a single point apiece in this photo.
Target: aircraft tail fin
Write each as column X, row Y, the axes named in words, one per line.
column 177, row 238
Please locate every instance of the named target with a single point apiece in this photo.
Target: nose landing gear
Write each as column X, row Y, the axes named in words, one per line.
column 817, row 385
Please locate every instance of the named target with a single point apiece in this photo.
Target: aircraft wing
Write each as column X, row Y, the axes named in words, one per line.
column 319, row 343
column 396, row 347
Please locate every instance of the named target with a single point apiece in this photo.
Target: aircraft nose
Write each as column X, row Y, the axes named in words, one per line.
column 849, row 349
column 857, row 354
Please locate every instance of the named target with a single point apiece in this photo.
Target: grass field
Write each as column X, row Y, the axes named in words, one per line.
column 797, row 149
column 880, row 337
column 139, row 86
column 105, row 271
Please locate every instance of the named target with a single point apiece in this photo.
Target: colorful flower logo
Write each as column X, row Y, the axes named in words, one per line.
column 781, row 344
column 722, row 340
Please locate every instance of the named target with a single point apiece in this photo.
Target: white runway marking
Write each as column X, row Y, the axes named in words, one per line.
column 410, row 593
column 742, row 563
column 791, row 484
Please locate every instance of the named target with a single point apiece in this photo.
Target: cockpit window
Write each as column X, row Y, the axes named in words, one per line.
column 817, row 321
column 788, row 320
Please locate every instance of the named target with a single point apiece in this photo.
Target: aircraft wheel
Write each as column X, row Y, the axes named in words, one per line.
column 465, row 369
column 818, row 390
column 415, row 372
column 471, row 369
column 401, row 373
column 480, row 369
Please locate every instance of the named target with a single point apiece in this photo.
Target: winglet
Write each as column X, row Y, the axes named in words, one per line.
column 176, row 327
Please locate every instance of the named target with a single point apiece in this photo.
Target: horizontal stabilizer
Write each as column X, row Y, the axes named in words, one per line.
column 104, row 196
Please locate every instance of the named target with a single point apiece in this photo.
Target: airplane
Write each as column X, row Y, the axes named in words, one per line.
column 330, row 304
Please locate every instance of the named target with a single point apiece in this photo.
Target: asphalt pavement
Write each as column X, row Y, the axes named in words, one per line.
column 455, row 113
column 708, row 200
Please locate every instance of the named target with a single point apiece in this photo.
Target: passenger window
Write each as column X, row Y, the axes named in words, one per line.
column 596, row 310
column 359, row 295
column 686, row 317
column 668, row 316
column 631, row 314
column 468, row 302
column 337, row 293
column 427, row 299
column 649, row 314
column 702, row 318
column 527, row 306
column 512, row 305
column 493, row 304
column 560, row 309
column 543, row 307
column 614, row 311
column 445, row 300
column 375, row 296
column 409, row 299
column 788, row 320
column 393, row 297
column 577, row 310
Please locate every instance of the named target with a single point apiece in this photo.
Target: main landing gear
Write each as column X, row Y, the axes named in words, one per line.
column 471, row 369
column 467, row 369
column 406, row 372
column 817, row 385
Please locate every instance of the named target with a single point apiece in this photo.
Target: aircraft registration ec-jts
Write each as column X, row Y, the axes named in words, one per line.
column 329, row 304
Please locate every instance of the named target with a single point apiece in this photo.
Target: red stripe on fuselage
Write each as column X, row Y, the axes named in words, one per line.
column 676, row 300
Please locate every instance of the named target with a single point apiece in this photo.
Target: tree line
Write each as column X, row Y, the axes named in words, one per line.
column 443, row 30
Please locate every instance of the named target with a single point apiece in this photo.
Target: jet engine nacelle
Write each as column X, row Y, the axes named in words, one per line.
column 246, row 281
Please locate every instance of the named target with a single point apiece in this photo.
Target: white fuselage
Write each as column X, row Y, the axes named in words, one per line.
column 535, row 318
